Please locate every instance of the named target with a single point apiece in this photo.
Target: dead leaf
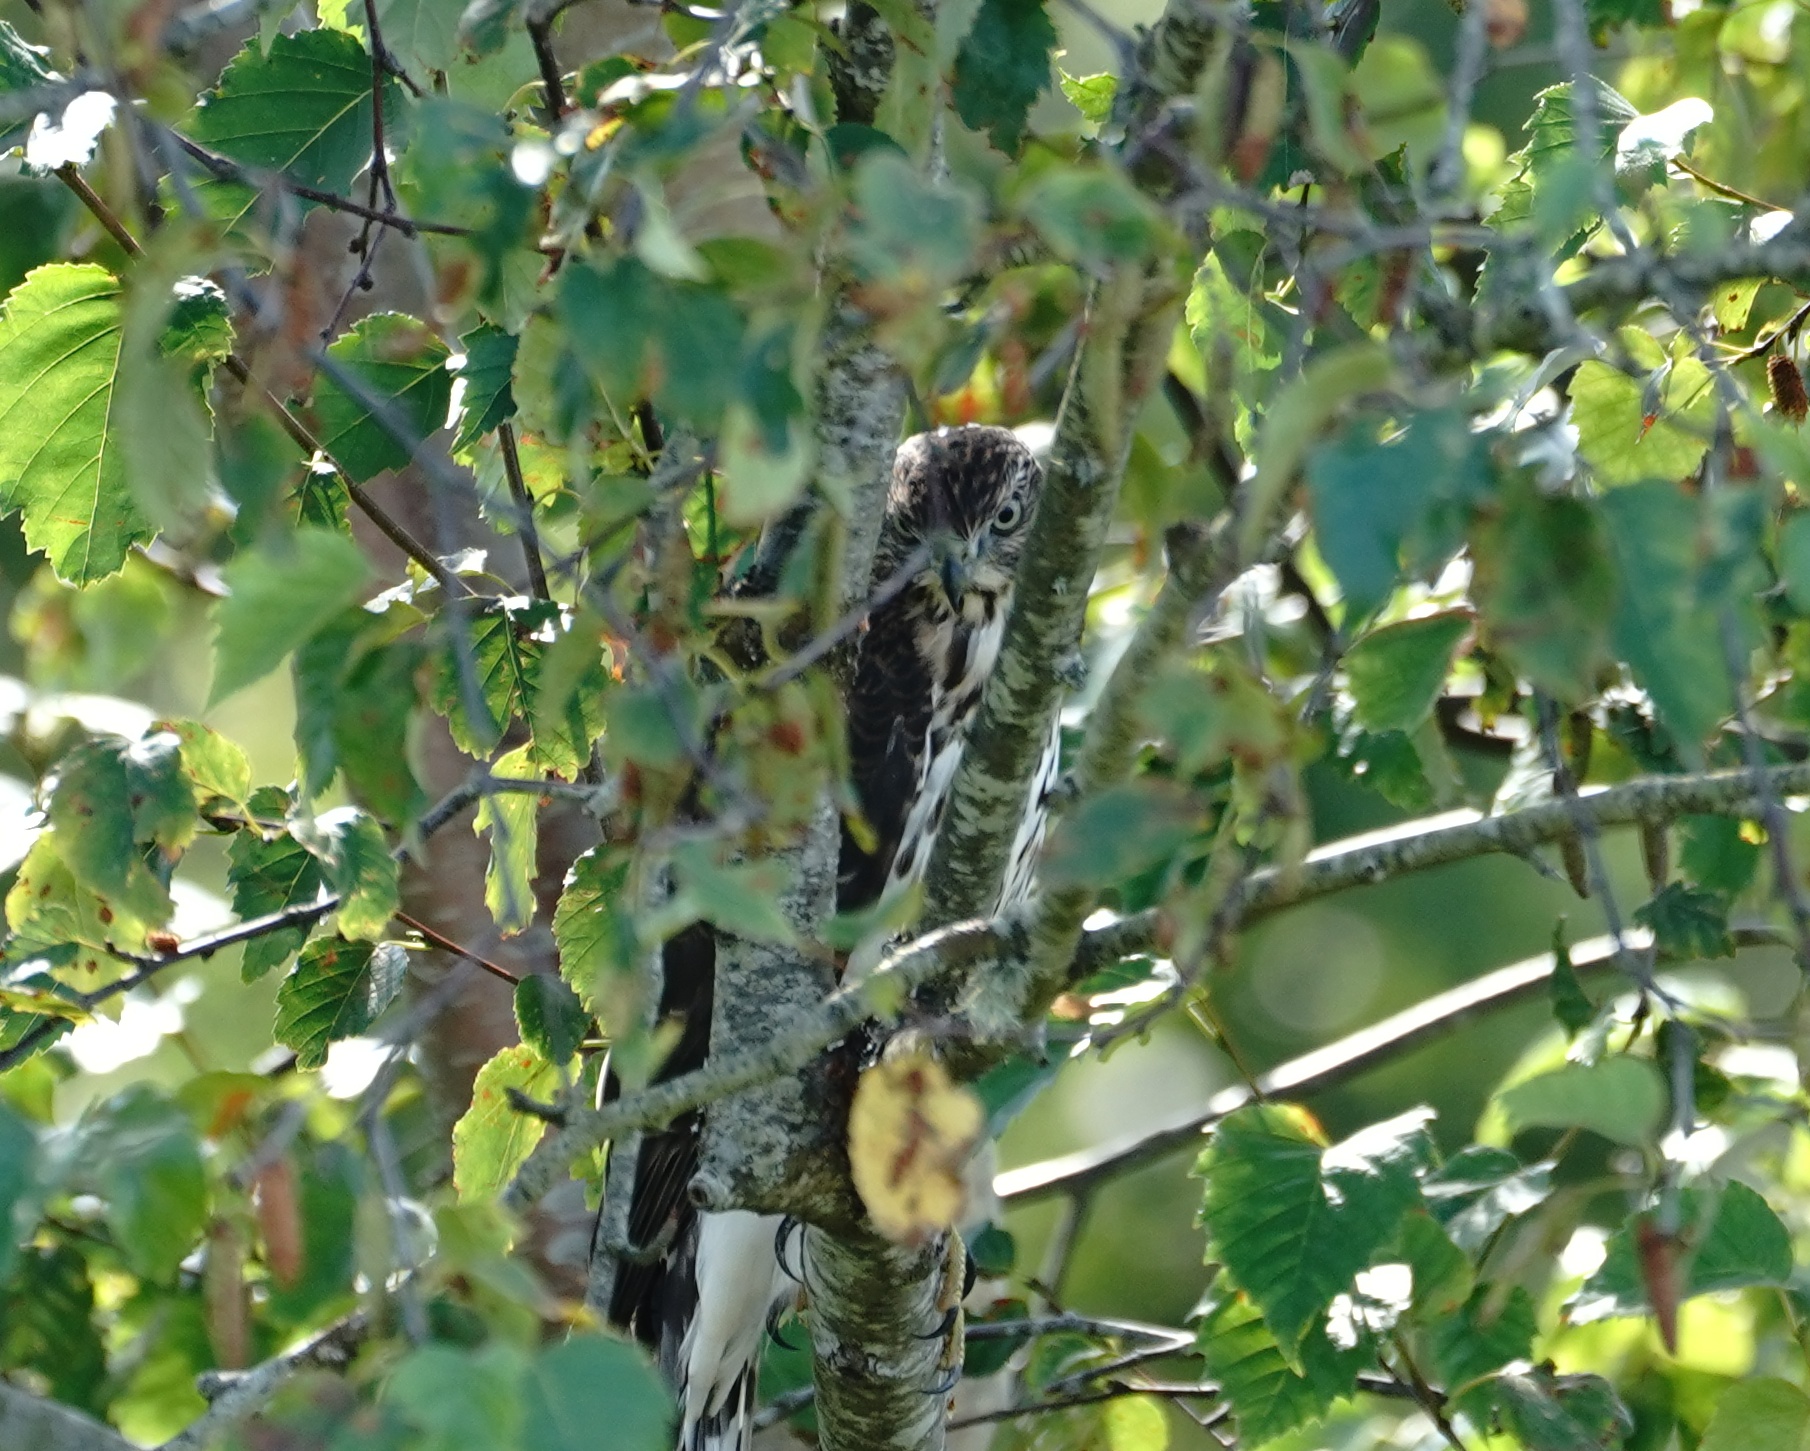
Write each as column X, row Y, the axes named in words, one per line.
column 910, row 1132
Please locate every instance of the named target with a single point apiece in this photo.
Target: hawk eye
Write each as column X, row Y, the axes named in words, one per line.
column 1010, row 515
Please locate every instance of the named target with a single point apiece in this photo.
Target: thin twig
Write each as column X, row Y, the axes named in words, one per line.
column 524, row 503
column 446, row 944
column 70, row 175
column 883, row 594
column 206, row 945
column 540, row 35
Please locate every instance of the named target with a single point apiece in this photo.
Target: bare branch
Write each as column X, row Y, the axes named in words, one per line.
column 1337, row 1063
column 1459, row 835
column 45, row 1425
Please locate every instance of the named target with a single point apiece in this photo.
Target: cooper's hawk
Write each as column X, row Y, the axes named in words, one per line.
column 699, row 1289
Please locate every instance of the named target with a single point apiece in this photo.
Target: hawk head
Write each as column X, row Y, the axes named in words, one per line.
column 965, row 496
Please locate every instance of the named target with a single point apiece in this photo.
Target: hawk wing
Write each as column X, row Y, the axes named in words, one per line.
column 888, row 734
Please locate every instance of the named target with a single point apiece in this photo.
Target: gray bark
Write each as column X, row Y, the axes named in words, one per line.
column 879, row 1363
column 30, row 1423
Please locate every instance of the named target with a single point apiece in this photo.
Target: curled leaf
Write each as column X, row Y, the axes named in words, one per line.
column 910, row 1134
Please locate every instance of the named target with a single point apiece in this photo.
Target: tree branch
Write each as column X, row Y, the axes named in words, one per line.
column 1201, row 564
column 1336, row 1063
column 46, row 1425
column 879, row 998
column 1457, row 836
column 968, row 946
column 237, row 1396
column 1130, row 320
column 300, row 915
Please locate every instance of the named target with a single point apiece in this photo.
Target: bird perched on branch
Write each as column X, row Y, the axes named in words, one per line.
column 699, row 1288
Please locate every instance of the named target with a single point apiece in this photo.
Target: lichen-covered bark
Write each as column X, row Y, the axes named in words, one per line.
column 1129, row 322
column 1202, row 563
column 861, row 69
column 878, row 1361
column 774, row 1148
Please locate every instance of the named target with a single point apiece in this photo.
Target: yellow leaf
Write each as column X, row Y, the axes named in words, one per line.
column 910, row 1134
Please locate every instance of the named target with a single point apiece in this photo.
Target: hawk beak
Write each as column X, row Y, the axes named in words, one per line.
column 956, row 577
column 955, row 565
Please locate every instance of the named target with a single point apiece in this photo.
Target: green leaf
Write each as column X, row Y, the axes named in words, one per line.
column 62, row 464
column 610, row 314
column 114, row 797
column 350, row 844
column 600, row 950
column 1687, row 922
column 1794, row 560
column 269, row 876
column 1294, row 1222
column 493, row 1138
column 1382, row 507
column 1759, row 1414
column 139, row 1152
column 1715, row 854
column 217, row 768
column 1732, row 1239
column 1120, row 833
column 170, row 342
column 1571, row 1007
column 1397, row 672
column 1230, row 320
column 1269, row 1394
column 1621, row 1098
column 1002, row 67
column 337, row 989
column 1545, row 587
column 549, row 1017
column 588, row 1381
column 509, row 819
column 49, row 911
column 422, row 33
column 47, row 1326
column 910, row 230
column 509, row 642
column 394, row 396
column 1490, row 1330
column 159, row 792
column 1561, row 1412
column 356, row 694
column 1629, row 430
column 742, row 897
column 303, row 109
column 18, row 1158
column 1092, row 215
column 1606, row 15
column 281, row 593
column 638, row 332
column 1547, row 185
column 1662, row 626
column 22, row 68
column 489, row 397
column 641, row 727
column 461, row 1398
column 1092, row 95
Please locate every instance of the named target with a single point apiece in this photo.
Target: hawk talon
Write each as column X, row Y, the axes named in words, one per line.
column 943, row 1326
column 773, row 1330
column 788, row 1226
column 950, row 1380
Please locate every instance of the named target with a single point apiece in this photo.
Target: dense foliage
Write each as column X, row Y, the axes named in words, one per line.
column 506, row 391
